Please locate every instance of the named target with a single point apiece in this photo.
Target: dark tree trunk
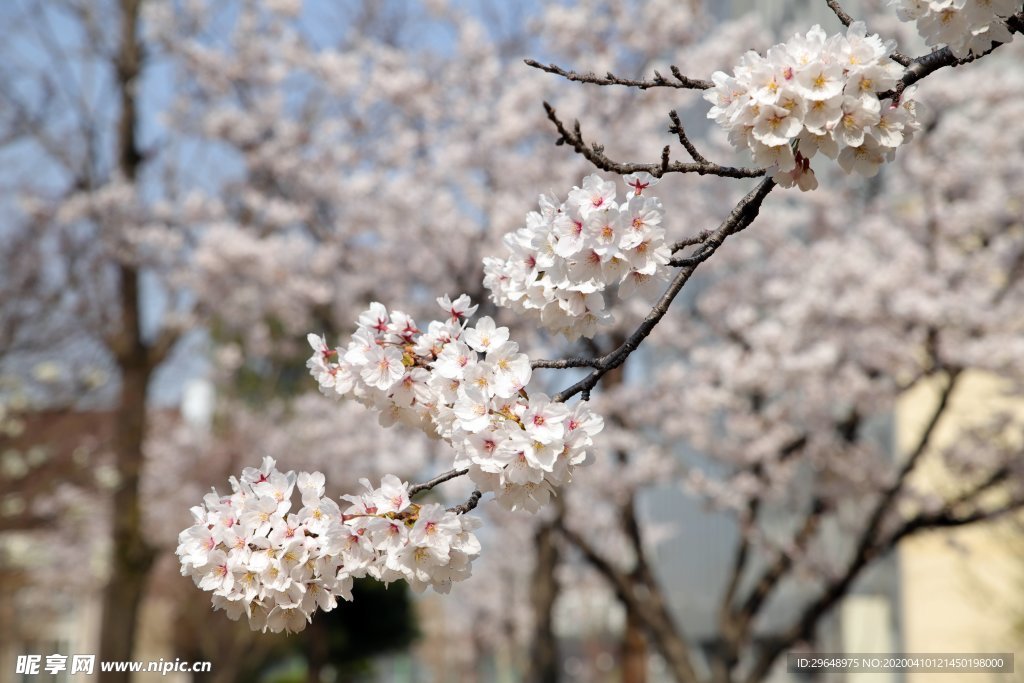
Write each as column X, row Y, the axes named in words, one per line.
column 131, row 556
column 317, row 656
column 543, row 666
column 634, row 649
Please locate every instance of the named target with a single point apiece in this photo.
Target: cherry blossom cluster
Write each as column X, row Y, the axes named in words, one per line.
column 279, row 567
column 466, row 385
column 568, row 254
column 966, row 26
column 812, row 94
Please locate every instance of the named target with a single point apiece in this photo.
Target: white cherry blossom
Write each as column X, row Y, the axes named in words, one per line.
column 814, row 93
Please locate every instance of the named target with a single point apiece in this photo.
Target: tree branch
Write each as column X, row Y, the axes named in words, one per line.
column 699, row 238
column 439, row 479
column 594, row 153
column 866, row 551
column 651, row 609
column 947, row 519
column 470, row 504
column 773, row 574
column 565, row 363
column 677, row 128
column 742, row 215
column 162, row 346
column 658, row 81
column 930, row 63
column 727, row 625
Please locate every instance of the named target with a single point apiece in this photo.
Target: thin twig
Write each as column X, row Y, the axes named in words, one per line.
column 699, row 238
column 677, row 128
column 659, row 81
column 703, row 254
column 439, row 479
column 594, row 153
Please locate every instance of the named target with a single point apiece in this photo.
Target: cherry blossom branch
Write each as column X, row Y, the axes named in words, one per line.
column 846, row 19
column 594, row 153
column 439, row 479
column 925, row 65
column 742, row 215
column 741, row 618
column 609, row 78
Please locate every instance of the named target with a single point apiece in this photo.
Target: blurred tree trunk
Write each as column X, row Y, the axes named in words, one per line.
column 131, row 556
column 317, row 656
column 543, row 666
column 634, row 649
column 633, row 646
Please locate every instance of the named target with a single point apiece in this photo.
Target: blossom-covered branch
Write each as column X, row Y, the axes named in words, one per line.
column 278, row 568
column 928, row 64
column 742, row 215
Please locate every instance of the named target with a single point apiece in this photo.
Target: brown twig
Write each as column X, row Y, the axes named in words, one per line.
column 564, row 363
column 439, row 479
column 699, row 238
column 470, row 504
column 677, row 128
column 659, row 81
column 594, row 153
